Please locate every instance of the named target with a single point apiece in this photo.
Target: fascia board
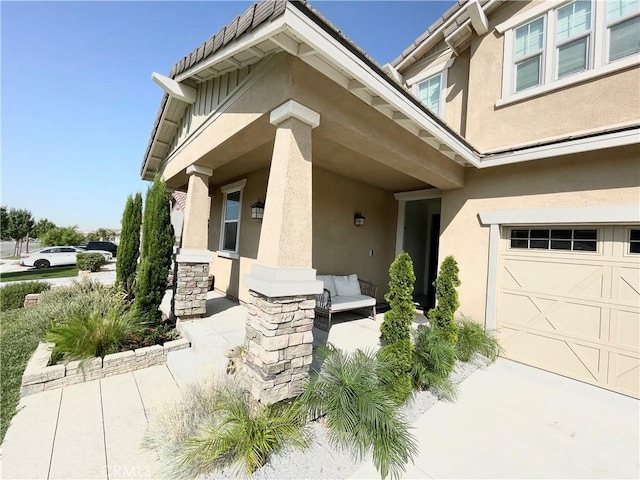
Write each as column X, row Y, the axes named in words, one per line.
column 334, row 53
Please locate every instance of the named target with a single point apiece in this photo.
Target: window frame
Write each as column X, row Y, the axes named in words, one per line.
column 629, row 241
column 589, row 34
column 542, row 53
column 608, row 24
column 442, row 76
column 555, row 251
column 441, row 69
column 226, row 191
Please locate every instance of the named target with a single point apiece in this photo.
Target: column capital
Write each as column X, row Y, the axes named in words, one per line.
column 294, row 109
column 199, row 170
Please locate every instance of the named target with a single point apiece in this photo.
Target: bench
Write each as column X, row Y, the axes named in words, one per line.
column 343, row 293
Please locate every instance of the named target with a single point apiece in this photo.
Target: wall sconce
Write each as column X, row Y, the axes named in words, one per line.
column 257, row 210
column 358, row 219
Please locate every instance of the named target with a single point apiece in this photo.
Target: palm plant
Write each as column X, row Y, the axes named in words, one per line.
column 360, row 414
column 433, row 361
column 241, row 433
column 472, row 338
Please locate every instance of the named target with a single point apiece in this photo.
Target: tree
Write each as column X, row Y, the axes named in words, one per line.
column 4, row 223
column 19, row 224
column 129, row 247
column 42, row 227
column 157, row 248
column 441, row 317
column 396, row 328
column 92, row 237
column 105, row 234
column 61, row 236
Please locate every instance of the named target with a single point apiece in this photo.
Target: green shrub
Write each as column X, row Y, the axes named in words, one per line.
column 90, row 261
column 129, row 247
column 13, row 295
column 360, row 414
column 472, row 338
column 441, row 317
column 433, row 361
column 222, row 426
column 92, row 334
column 396, row 328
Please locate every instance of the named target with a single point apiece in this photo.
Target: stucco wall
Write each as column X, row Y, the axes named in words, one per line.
column 339, row 247
column 607, row 177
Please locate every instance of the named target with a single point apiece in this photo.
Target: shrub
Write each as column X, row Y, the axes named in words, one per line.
column 12, row 296
column 90, row 261
column 129, row 247
column 61, row 236
column 360, row 414
column 396, row 328
column 433, row 361
column 92, row 334
column 148, row 337
column 472, row 338
column 157, row 249
column 441, row 316
column 221, row 426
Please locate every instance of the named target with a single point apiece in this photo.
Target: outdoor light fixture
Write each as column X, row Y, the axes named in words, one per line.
column 358, row 219
column 257, row 210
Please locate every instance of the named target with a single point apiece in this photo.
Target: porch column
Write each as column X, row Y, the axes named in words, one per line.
column 193, row 257
column 282, row 284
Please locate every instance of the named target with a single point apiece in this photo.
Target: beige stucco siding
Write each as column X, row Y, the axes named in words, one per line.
column 602, row 102
column 339, row 247
column 607, row 177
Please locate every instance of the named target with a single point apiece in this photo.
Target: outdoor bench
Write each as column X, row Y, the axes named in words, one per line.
column 343, row 293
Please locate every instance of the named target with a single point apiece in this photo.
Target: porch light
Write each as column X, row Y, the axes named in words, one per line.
column 257, row 210
column 358, row 219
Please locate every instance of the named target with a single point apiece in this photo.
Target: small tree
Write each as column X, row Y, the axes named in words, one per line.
column 61, row 236
column 396, row 328
column 105, row 234
column 92, row 237
column 42, row 227
column 4, row 223
column 441, row 317
column 129, row 247
column 157, row 248
column 19, row 225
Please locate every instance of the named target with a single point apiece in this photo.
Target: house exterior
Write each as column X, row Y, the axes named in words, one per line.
column 507, row 136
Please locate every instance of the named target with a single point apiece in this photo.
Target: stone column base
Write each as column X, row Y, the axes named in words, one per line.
column 279, row 344
column 191, row 287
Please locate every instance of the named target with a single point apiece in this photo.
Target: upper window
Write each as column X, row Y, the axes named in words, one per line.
column 580, row 36
column 430, row 91
column 230, row 229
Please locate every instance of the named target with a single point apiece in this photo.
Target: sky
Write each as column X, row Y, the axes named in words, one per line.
column 77, row 102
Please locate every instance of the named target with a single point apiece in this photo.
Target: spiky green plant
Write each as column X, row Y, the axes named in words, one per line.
column 222, row 426
column 92, row 334
column 472, row 338
column 360, row 415
column 433, row 361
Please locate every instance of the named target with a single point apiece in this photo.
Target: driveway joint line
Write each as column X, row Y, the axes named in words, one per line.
column 144, row 410
column 55, row 434
column 104, row 433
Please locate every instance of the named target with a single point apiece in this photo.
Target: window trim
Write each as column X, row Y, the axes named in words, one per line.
column 542, row 53
column 597, row 56
column 427, row 75
column 226, row 190
column 628, row 242
column 589, row 34
column 556, row 251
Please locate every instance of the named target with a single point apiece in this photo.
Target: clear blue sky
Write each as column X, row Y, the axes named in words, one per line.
column 78, row 102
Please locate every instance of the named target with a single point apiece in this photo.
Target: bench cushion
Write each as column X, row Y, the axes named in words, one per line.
column 327, row 280
column 341, row 303
column 347, row 285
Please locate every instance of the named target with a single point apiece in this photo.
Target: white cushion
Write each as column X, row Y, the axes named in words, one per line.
column 327, row 280
column 341, row 303
column 347, row 285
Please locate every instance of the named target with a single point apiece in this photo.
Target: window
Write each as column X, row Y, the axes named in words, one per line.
column 231, row 207
column 548, row 48
column 634, row 240
column 429, row 93
column 583, row 240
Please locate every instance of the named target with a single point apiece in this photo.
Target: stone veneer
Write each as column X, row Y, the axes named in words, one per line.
column 279, row 345
column 38, row 376
column 192, row 285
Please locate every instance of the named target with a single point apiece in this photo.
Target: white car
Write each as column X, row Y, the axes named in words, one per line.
column 53, row 256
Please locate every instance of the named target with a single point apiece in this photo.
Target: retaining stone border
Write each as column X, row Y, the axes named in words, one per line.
column 39, row 377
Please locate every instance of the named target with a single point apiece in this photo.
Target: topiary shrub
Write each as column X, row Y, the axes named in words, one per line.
column 129, row 247
column 90, row 261
column 396, row 328
column 472, row 338
column 12, row 296
column 441, row 317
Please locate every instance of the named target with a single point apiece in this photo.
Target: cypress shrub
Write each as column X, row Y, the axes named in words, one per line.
column 157, row 248
column 396, row 328
column 129, row 247
column 441, row 317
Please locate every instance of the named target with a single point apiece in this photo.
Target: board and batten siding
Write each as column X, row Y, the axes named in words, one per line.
column 210, row 95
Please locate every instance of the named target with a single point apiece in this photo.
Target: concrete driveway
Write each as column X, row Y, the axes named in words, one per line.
column 515, row 421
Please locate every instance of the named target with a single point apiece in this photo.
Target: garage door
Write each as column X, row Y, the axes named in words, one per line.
column 569, row 302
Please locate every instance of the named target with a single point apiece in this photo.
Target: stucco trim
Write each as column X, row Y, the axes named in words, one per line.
column 296, row 110
column 199, row 170
column 188, row 255
column 608, row 214
column 231, row 187
column 492, row 278
column 403, row 198
column 283, row 282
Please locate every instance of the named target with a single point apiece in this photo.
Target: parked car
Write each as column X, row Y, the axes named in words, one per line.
column 53, row 256
column 106, row 246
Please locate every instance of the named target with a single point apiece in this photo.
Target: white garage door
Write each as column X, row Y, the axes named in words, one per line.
column 569, row 302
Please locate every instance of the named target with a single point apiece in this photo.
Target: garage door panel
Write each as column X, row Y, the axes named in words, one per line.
column 574, row 313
